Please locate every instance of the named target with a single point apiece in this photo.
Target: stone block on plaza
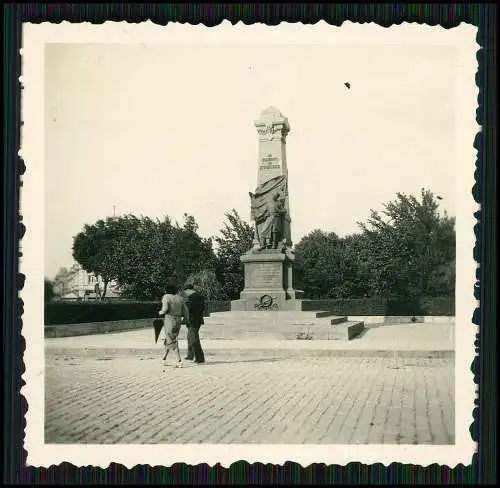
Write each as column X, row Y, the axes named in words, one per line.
column 346, row 331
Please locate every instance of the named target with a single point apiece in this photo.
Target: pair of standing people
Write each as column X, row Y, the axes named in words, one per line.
column 189, row 305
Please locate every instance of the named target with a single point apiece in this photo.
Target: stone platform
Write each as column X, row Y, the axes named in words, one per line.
column 283, row 325
column 399, row 340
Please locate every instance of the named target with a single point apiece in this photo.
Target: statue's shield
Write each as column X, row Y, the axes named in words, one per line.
column 157, row 324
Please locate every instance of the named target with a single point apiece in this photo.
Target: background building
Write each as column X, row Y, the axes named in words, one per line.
column 76, row 283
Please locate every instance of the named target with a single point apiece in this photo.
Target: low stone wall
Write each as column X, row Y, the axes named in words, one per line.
column 439, row 320
column 90, row 328
column 393, row 320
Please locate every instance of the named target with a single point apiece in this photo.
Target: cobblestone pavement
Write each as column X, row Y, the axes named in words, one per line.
column 273, row 401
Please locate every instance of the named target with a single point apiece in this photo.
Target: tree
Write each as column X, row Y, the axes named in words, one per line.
column 139, row 244
column 407, row 244
column 235, row 239
column 142, row 254
column 442, row 280
column 407, row 251
column 207, row 283
column 156, row 252
column 48, row 290
column 353, row 273
column 96, row 249
column 317, row 261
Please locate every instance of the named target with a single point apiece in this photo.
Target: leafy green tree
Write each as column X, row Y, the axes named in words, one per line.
column 407, row 251
column 353, row 273
column 407, row 243
column 317, row 261
column 156, row 252
column 207, row 283
column 96, row 249
column 442, row 280
column 48, row 290
column 235, row 239
column 142, row 254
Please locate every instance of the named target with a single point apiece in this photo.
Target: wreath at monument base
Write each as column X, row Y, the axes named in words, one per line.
column 266, row 302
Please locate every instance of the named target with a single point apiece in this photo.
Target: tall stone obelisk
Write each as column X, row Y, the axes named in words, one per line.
column 268, row 265
column 273, row 128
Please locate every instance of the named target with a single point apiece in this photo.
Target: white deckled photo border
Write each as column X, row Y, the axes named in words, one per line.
column 36, row 36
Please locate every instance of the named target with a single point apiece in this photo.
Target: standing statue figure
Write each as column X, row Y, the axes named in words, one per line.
column 268, row 209
column 276, row 213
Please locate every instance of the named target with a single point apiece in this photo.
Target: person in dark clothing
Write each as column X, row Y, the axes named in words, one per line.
column 196, row 306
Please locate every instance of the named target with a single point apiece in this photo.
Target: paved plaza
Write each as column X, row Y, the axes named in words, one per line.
column 408, row 338
column 252, row 399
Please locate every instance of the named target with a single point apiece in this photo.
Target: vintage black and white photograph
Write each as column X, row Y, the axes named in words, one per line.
column 248, row 237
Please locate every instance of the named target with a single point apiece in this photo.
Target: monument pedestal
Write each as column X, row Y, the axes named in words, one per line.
column 270, row 308
column 268, row 282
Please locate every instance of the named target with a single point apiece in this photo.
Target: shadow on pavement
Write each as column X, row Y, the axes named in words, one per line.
column 229, row 360
column 256, row 360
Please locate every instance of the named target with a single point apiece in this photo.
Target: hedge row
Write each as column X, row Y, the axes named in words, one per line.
column 355, row 306
column 57, row 313
column 438, row 305
column 431, row 306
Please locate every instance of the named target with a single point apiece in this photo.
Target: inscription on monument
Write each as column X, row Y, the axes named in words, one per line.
column 269, row 158
column 270, row 162
column 264, row 275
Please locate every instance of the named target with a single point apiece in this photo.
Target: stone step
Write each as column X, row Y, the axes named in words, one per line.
column 268, row 318
column 263, row 329
column 279, row 325
column 345, row 332
column 263, row 315
column 321, row 329
column 269, row 327
column 259, row 324
column 247, row 324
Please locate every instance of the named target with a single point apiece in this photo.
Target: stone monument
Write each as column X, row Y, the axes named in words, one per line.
column 269, row 307
column 269, row 264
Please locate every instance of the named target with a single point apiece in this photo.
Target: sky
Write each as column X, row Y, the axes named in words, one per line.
column 160, row 130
